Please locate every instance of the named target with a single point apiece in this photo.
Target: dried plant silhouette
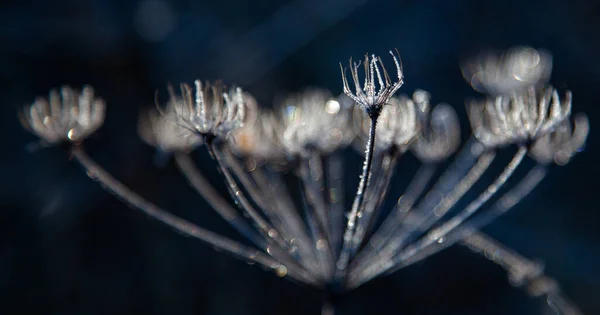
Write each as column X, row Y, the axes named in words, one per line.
column 321, row 242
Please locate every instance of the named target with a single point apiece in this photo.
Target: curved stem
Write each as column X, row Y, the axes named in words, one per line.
column 437, row 234
column 220, row 242
column 502, row 205
column 238, row 196
column 522, row 272
column 358, row 199
column 203, row 187
column 438, row 201
column 381, row 237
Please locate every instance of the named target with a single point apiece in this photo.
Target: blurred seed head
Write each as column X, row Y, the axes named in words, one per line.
column 160, row 128
column 560, row 145
column 397, row 125
column 503, row 73
column 522, row 117
column 258, row 138
column 68, row 115
column 439, row 130
column 314, row 119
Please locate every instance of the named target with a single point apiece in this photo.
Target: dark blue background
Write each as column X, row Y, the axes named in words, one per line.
column 68, row 247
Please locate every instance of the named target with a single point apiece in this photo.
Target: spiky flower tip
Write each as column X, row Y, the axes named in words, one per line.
column 510, row 71
column 210, row 111
column 519, row 118
column 370, row 96
column 315, row 120
column 67, row 115
column 159, row 127
column 439, row 130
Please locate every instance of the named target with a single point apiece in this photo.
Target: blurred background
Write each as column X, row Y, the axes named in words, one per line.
column 68, row 247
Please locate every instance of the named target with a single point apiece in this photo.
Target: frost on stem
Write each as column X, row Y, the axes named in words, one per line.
column 369, row 97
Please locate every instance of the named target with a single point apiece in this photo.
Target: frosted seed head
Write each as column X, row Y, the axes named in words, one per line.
column 378, row 86
column 522, row 117
column 211, row 110
column 511, row 71
column 66, row 116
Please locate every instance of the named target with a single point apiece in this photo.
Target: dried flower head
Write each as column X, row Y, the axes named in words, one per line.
column 314, row 119
column 563, row 143
column 369, row 97
column 439, row 130
column 213, row 112
column 518, row 118
column 258, row 138
column 160, row 129
column 511, row 71
column 65, row 116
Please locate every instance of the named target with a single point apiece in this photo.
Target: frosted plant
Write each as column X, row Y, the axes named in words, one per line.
column 68, row 115
column 320, row 242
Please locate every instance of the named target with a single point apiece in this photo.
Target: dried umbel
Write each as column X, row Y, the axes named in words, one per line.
column 320, row 242
column 211, row 111
column 520, row 117
column 67, row 115
column 378, row 86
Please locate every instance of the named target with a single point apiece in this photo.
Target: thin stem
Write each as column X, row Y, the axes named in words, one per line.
column 222, row 243
column 203, row 187
column 335, row 185
column 522, row 272
column 440, row 232
column 238, row 196
column 437, row 234
column 422, row 219
column 259, row 197
column 424, row 216
column 359, row 198
column 502, row 205
column 316, row 212
column 311, row 174
column 381, row 237
column 277, row 194
column 376, row 194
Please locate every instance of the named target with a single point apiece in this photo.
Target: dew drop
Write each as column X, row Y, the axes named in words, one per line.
column 281, row 271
